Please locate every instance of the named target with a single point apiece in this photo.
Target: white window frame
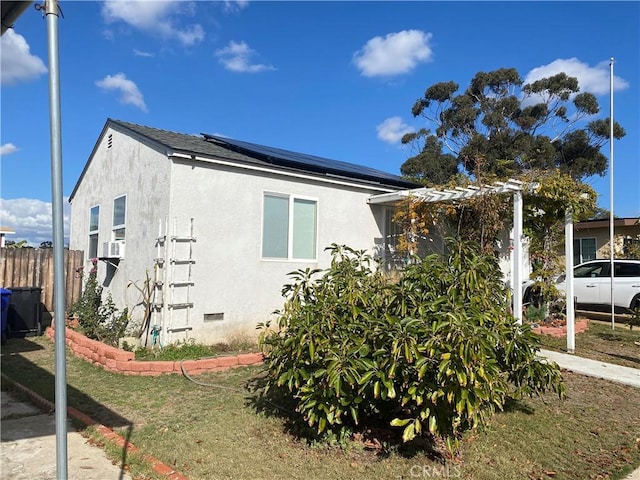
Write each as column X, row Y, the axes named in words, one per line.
column 120, row 226
column 94, row 232
column 291, row 198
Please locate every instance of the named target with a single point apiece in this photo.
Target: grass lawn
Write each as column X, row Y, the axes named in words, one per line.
column 600, row 342
column 209, row 432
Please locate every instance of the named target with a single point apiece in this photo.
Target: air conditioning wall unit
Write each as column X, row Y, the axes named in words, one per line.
column 113, row 250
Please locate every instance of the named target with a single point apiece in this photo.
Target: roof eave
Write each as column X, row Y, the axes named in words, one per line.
column 11, row 10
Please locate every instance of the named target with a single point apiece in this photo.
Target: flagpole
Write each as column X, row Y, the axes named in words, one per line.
column 611, row 220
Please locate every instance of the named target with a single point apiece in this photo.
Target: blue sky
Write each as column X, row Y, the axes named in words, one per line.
column 333, row 79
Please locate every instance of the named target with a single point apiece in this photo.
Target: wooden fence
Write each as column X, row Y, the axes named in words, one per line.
column 33, row 267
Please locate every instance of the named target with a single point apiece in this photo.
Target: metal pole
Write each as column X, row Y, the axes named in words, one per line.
column 568, row 253
column 611, row 220
column 51, row 8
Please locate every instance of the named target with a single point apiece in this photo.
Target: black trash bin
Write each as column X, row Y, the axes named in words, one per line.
column 25, row 312
column 4, row 312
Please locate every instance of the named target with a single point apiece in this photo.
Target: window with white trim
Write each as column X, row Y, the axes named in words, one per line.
column 119, row 218
column 94, row 224
column 584, row 249
column 289, row 227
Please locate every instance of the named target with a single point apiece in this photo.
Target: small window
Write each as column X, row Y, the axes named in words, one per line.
column 119, row 218
column 94, row 225
column 304, row 229
column 584, row 249
column 275, row 233
column 289, row 229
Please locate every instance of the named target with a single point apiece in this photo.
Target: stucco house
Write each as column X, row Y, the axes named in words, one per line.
column 216, row 224
column 591, row 238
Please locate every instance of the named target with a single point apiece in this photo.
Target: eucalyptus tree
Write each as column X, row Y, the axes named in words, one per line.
column 499, row 126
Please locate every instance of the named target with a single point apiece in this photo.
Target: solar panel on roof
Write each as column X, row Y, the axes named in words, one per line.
column 283, row 157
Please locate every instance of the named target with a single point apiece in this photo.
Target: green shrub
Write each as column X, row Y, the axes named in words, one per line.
column 433, row 352
column 536, row 314
column 99, row 319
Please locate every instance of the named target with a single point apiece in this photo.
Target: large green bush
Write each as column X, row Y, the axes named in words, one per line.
column 434, row 351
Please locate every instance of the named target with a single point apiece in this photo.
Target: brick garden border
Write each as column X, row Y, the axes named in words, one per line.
column 580, row 326
column 116, row 360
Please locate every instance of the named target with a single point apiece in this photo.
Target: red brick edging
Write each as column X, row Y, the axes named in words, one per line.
column 116, row 360
column 580, row 326
column 45, row 405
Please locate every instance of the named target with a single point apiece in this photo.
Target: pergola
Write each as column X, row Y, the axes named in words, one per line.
column 514, row 187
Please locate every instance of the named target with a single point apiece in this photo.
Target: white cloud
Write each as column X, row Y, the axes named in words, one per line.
column 140, row 53
column 16, row 62
column 236, row 57
column 129, row 92
column 235, row 5
column 395, row 54
column 595, row 80
column 393, row 129
column 155, row 17
column 7, row 149
column 31, row 219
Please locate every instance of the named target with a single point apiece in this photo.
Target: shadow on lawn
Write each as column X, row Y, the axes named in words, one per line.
column 372, row 434
column 622, row 357
column 22, row 375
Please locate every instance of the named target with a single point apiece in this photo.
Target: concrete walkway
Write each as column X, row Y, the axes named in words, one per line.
column 28, row 448
column 594, row 368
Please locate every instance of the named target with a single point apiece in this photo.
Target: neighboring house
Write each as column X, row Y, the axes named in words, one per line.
column 591, row 238
column 5, row 231
column 218, row 224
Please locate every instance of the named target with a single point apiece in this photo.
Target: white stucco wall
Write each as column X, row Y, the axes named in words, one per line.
column 141, row 173
column 226, row 205
column 229, row 274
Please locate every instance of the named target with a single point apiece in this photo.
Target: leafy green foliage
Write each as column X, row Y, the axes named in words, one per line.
column 510, row 128
column 536, row 313
column 434, row 352
column 17, row 244
column 99, row 319
column 430, row 166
